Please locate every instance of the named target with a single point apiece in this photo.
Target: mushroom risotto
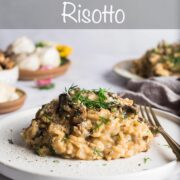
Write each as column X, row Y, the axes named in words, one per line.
column 164, row 60
column 88, row 125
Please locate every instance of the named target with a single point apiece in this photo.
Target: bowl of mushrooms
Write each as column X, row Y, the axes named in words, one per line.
column 39, row 60
column 9, row 71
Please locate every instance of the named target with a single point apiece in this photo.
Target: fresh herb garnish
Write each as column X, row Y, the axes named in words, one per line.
column 176, row 60
column 100, row 102
column 102, row 120
column 101, row 94
column 166, row 145
column 65, row 138
column 72, row 87
column 64, row 61
column 146, row 159
column 80, row 95
column 97, row 152
column 97, row 126
column 39, row 44
column 51, row 86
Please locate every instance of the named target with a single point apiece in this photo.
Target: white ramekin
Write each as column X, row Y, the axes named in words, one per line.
column 9, row 76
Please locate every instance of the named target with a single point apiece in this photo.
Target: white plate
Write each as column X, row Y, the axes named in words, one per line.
column 123, row 69
column 20, row 163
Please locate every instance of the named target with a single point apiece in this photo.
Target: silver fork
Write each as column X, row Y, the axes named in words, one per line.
column 151, row 118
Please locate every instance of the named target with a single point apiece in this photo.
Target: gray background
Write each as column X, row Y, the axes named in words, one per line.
column 46, row 14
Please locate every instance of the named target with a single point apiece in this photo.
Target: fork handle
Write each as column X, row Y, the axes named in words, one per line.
column 174, row 146
column 162, row 129
column 178, row 145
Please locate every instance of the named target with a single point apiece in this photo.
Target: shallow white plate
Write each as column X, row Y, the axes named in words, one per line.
column 123, row 69
column 20, row 163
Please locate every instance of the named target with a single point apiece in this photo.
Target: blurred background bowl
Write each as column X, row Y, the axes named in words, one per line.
column 9, row 76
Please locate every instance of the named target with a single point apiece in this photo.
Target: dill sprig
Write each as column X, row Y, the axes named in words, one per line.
column 146, row 159
column 79, row 95
column 97, row 152
column 72, row 87
column 102, row 120
column 100, row 102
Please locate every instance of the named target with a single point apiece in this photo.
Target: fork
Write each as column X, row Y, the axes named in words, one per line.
column 151, row 118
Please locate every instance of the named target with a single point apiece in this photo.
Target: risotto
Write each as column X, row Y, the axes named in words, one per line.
column 88, row 125
column 164, row 60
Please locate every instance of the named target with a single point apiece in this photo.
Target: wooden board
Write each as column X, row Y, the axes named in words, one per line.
column 42, row 74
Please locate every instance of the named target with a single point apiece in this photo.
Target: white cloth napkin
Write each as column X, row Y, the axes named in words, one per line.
column 161, row 92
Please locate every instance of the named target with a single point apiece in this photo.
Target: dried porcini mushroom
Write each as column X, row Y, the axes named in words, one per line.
column 73, row 112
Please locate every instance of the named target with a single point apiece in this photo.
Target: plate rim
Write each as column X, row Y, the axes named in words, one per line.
column 136, row 76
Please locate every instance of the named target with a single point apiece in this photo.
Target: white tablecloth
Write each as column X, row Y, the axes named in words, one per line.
column 87, row 71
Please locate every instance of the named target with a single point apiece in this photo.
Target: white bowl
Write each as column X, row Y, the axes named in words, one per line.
column 9, row 76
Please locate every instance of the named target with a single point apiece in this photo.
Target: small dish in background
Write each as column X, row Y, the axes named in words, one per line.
column 13, row 105
column 39, row 60
column 9, row 76
column 43, row 74
column 9, row 72
column 160, row 61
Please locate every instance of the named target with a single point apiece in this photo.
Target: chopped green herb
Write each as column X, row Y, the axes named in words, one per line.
column 101, row 94
column 51, row 86
column 64, row 61
column 146, row 159
column 104, row 164
column 97, row 126
column 46, row 118
column 72, row 87
column 100, row 102
column 39, row 44
column 65, row 138
column 166, row 145
column 154, row 131
column 97, row 152
column 113, row 109
column 102, row 120
column 175, row 60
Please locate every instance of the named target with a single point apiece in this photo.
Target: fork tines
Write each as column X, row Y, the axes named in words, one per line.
column 149, row 116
